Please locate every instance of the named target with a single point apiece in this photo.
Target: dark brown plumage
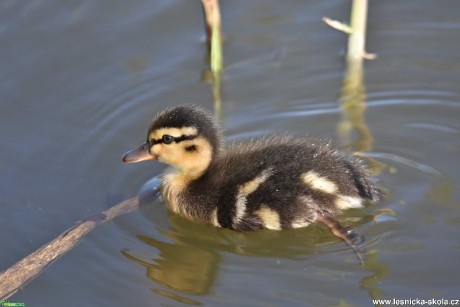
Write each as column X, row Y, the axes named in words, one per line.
column 279, row 182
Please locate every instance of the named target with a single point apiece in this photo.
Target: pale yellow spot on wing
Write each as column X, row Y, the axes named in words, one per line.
column 240, row 206
column 270, row 218
column 250, row 186
column 317, row 182
column 300, row 223
column 244, row 190
column 214, row 220
column 347, row 202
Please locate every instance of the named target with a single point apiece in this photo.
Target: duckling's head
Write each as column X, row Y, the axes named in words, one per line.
column 186, row 137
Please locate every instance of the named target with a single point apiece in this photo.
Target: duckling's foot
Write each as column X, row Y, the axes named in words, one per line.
column 352, row 238
column 355, row 237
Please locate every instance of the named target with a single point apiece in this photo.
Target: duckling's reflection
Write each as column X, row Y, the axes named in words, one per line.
column 288, row 244
column 190, row 263
column 185, row 268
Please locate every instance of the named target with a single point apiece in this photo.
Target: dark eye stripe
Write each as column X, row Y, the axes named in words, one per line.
column 184, row 138
column 175, row 139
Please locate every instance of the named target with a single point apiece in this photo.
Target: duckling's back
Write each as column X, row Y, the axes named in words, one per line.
column 279, row 183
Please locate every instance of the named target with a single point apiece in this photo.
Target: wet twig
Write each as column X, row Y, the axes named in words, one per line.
column 28, row 268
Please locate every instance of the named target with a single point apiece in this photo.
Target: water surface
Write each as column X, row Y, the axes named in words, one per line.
column 80, row 83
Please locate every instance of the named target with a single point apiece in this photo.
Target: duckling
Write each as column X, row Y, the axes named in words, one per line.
column 279, row 182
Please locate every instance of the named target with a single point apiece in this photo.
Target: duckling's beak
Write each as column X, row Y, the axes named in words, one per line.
column 138, row 154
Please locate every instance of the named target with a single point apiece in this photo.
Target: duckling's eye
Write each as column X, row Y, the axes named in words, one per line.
column 167, row 139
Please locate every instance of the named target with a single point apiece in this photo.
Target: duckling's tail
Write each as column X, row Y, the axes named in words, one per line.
column 367, row 188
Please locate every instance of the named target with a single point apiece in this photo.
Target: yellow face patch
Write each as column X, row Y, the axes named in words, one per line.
column 190, row 164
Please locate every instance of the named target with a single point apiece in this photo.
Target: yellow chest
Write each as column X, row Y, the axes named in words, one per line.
column 172, row 187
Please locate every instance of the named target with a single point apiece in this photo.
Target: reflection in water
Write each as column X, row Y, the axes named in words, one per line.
column 182, row 267
column 353, row 103
column 353, row 106
column 379, row 270
column 190, row 263
column 214, row 78
column 441, row 192
column 396, row 159
column 216, row 91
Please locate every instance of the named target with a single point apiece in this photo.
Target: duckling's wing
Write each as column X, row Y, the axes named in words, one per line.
column 294, row 178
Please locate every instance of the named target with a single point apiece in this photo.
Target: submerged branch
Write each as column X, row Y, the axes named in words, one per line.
column 28, row 268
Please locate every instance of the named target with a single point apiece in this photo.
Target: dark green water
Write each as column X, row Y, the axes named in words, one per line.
column 80, row 82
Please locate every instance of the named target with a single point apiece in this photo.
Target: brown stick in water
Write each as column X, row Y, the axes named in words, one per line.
column 28, row 268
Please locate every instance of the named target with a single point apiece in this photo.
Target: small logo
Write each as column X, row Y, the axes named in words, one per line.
column 7, row 303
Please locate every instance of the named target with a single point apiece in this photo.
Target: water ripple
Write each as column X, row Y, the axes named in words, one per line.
column 427, row 169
